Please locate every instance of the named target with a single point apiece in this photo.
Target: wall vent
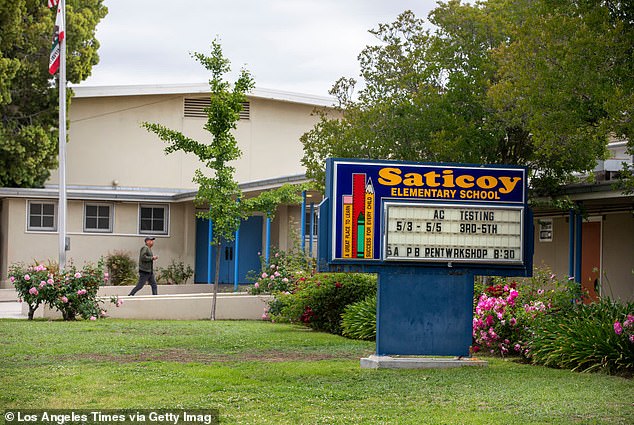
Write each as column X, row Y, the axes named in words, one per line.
column 194, row 107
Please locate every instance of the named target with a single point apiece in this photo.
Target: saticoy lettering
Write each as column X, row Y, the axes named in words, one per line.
column 392, row 176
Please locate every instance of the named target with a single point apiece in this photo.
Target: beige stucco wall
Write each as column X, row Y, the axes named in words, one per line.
column 107, row 142
column 27, row 246
column 617, row 253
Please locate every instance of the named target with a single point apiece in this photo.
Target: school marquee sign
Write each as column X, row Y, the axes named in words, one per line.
column 426, row 213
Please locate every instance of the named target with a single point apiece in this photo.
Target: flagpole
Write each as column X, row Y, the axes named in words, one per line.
column 61, row 222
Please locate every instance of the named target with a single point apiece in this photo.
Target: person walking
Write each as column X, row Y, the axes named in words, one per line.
column 146, row 267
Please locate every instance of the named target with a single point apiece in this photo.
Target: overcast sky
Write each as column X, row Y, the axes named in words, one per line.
column 302, row 46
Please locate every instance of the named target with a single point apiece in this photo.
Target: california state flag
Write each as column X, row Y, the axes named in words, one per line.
column 58, row 37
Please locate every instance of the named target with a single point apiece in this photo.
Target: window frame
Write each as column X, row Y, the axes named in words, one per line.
column 30, row 228
column 110, row 217
column 307, row 223
column 166, row 216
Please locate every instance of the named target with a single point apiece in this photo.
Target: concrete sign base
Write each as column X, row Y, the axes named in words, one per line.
column 395, row 362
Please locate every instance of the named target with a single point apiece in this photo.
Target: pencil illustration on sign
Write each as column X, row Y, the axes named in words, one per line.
column 347, row 226
column 369, row 220
column 358, row 219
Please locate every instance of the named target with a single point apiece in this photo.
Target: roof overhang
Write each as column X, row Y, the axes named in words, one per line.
column 140, row 194
column 198, row 88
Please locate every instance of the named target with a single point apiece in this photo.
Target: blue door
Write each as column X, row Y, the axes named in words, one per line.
column 250, row 244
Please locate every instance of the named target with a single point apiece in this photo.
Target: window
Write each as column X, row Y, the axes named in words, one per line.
column 98, row 218
column 315, row 223
column 42, row 216
column 153, row 219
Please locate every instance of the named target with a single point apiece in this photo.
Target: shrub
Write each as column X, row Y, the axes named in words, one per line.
column 359, row 319
column 588, row 337
column 175, row 274
column 73, row 292
column 320, row 300
column 505, row 311
column 122, row 269
column 282, row 273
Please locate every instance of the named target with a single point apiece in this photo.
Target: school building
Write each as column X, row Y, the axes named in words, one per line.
column 121, row 187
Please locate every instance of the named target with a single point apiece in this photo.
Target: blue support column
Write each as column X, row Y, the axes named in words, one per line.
column 209, row 252
column 571, row 243
column 578, row 240
column 267, row 251
column 303, row 222
column 312, row 228
column 236, row 260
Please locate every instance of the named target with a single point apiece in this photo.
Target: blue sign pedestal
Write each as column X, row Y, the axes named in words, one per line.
column 424, row 311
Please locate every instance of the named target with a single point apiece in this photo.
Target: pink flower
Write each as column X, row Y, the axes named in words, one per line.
column 12, row 279
column 540, row 292
column 277, row 254
column 552, row 276
column 64, row 300
column 77, row 275
column 489, row 320
column 517, row 347
column 50, row 281
column 27, row 277
column 285, row 280
column 264, row 275
column 632, row 338
column 42, row 284
column 265, row 316
column 618, row 329
column 119, row 303
column 93, row 318
column 277, row 274
column 33, row 291
column 256, row 286
column 629, row 322
column 273, row 266
column 513, row 321
column 81, row 292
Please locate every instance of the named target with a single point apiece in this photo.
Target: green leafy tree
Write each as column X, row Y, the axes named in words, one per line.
column 28, row 103
column 220, row 192
column 537, row 83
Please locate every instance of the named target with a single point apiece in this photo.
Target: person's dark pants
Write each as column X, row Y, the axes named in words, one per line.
column 143, row 278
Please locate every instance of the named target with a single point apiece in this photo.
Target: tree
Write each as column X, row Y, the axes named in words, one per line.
column 220, row 192
column 496, row 82
column 28, row 103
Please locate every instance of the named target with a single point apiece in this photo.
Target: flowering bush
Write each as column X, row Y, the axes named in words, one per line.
column 588, row 337
column 282, row 273
column 319, row 301
column 73, row 292
column 505, row 311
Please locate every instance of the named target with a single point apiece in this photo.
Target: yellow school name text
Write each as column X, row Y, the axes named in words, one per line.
column 440, row 185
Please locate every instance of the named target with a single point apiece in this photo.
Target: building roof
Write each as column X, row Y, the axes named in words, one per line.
column 138, row 194
column 197, row 88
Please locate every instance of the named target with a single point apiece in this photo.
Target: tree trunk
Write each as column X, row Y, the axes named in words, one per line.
column 32, row 311
column 216, row 279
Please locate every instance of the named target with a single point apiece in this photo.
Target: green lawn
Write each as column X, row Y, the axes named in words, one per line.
column 259, row 373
